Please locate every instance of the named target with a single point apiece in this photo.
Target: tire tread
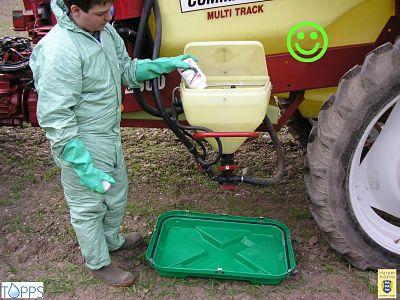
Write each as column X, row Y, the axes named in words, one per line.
column 352, row 89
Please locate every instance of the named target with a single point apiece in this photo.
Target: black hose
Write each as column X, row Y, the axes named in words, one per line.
column 160, row 111
column 173, row 124
column 155, row 90
column 280, row 155
column 171, row 119
column 166, row 118
column 174, row 103
column 149, row 38
column 126, row 33
column 142, row 29
column 185, row 128
column 140, row 37
column 158, row 30
column 143, row 103
column 24, row 99
column 144, row 34
column 217, row 139
column 201, row 145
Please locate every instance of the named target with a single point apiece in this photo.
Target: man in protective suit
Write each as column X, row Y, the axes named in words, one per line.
column 78, row 68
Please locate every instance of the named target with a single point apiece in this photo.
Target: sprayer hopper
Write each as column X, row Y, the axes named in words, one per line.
column 238, row 91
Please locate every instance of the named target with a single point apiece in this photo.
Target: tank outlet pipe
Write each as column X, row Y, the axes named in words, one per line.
column 277, row 177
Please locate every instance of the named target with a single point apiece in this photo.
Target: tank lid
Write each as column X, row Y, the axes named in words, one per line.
column 229, row 58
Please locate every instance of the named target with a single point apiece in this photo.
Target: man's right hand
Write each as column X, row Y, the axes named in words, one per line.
column 92, row 178
column 78, row 156
column 147, row 69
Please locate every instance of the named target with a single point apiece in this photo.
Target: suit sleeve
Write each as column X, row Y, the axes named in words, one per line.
column 126, row 64
column 57, row 74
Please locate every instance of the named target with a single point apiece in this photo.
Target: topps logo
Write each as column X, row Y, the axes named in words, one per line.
column 193, row 5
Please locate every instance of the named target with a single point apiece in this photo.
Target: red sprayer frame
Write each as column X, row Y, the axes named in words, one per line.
column 18, row 102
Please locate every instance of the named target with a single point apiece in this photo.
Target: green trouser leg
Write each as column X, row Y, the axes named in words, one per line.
column 96, row 218
column 115, row 200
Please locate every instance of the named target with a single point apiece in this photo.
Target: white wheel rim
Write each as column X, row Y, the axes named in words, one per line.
column 376, row 181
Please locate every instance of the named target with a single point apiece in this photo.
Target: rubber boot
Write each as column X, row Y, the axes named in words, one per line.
column 132, row 240
column 114, row 276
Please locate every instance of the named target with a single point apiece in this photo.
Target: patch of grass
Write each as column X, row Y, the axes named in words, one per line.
column 57, row 188
column 372, row 288
column 325, row 290
column 191, row 281
column 256, row 290
column 86, row 279
column 163, row 177
column 169, row 283
column 5, row 202
column 231, row 291
column 14, row 223
column 17, row 223
column 17, row 187
column 300, row 213
column 141, row 257
column 63, row 208
column 50, row 173
column 298, row 285
column 306, row 233
column 26, row 228
column 30, row 177
column 167, row 294
column 66, row 280
column 147, row 284
column 58, row 284
column 213, row 284
column 330, row 269
column 145, row 209
column 66, row 234
column 41, row 215
column 131, row 289
column 12, row 269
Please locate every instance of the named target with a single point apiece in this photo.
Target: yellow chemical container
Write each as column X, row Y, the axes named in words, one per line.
column 238, row 91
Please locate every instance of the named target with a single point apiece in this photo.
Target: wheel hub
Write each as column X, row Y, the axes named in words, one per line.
column 375, row 180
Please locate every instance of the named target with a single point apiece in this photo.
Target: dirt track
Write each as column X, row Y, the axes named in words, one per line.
column 38, row 244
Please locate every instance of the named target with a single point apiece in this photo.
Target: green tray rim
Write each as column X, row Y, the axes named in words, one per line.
column 263, row 279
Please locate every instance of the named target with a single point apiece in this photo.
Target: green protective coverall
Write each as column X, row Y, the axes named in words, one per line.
column 78, row 80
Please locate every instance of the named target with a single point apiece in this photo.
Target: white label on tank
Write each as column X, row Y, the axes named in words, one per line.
column 193, row 5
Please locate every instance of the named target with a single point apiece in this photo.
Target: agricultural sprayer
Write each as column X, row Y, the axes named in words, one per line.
column 268, row 64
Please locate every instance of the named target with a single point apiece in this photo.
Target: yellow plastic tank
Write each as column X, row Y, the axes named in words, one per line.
column 347, row 22
column 238, row 91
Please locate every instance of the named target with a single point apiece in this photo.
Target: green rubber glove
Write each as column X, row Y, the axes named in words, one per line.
column 147, row 69
column 78, row 156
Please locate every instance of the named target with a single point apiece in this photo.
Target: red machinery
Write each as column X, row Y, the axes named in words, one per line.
column 18, row 98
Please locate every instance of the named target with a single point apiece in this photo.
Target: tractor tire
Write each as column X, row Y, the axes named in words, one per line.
column 14, row 45
column 14, row 67
column 365, row 95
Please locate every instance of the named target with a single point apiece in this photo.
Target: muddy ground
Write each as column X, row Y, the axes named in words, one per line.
column 38, row 244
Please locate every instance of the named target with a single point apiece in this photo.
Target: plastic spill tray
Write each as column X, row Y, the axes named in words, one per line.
column 186, row 244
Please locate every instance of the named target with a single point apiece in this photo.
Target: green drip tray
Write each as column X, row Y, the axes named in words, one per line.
column 187, row 243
